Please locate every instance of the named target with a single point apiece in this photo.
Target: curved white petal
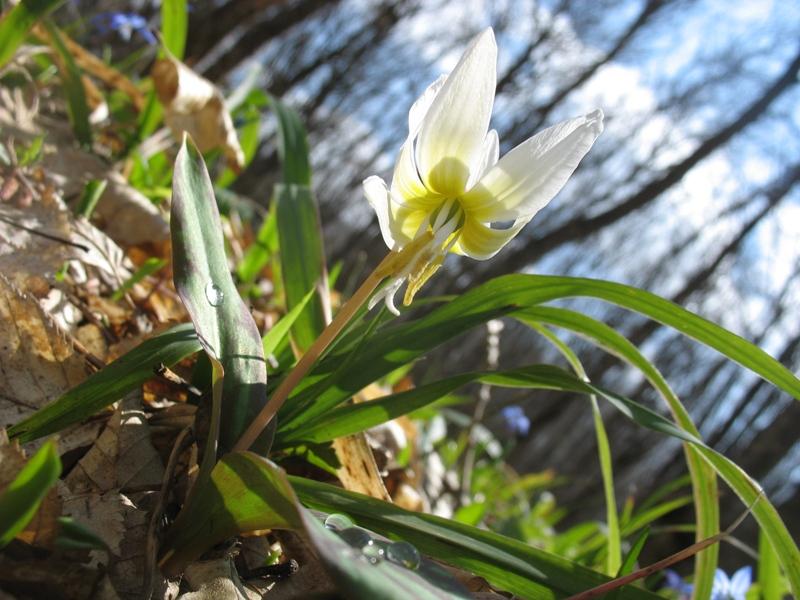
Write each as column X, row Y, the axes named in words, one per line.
column 407, row 188
column 452, row 132
column 489, row 156
column 420, row 107
column 378, row 197
column 481, row 242
column 405, row 221
column 529, row 176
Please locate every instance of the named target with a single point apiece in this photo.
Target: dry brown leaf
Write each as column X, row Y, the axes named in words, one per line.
column 109, row 492
column 129, row 218
column 358, row 472
column 89, row 63
column 194, row 105
column 123, row 457
column 216, row 580
column 25, row 255
column 37, row 362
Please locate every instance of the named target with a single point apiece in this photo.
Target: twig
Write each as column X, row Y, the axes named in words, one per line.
column 308, row 359
column 48, row 236
column 605, row 588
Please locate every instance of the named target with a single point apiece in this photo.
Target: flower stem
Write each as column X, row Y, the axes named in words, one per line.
column 343, row 317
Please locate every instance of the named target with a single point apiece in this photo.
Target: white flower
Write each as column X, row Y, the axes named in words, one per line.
column 448, row 185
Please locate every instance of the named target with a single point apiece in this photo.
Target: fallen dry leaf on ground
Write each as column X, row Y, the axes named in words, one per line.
column 112, row 489
column 194, row 105
column 37, row 362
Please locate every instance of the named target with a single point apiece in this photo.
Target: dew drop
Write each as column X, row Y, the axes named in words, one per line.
column 403, row 553
column 356, row 537
column 338, row 522
column 214, row 295
column 375, row 551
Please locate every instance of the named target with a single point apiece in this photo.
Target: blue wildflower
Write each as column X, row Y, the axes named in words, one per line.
column 734, row 587
column 125, row 24
column 676, row 583
column 515, row 420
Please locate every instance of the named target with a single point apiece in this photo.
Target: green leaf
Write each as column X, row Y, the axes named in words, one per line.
column 174, row 25
column 73, row 87
column 150, row 266
column 302, row 260
column 22, row 497
column 32, row 152
column 633, row 554
column 507, row 564
column 17, row 23
column 350, row 419
column 398, row 345
column 223, row 322
column 246, row 492
column 614, row 549
column 75, row 536
column 249, row 133
column 769, row 571
column 280, row 330
column 243, row 493
column 386, row 580
column 109, row 385
column 260, row 251
column 92, row 191
column 292, row 144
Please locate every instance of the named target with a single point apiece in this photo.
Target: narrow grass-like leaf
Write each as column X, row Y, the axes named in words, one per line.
column 614, row 541
column 508, row 564
column 246, row 492
column 769, row 571
column 704, row 487
column 109, row 385
column 174, row 25
column 504, row 295
column 292, row 144
column 302, row 260
column 76, row 536
column 92, row 191
column 260, row 251
column 73, row 86
column 17, row 23
column 249, row 132
column 223, row 322
column 243, row 493
column 350, row 419
column 22, row 497
column 633, row 554
column 280, row 330
column 150, row 266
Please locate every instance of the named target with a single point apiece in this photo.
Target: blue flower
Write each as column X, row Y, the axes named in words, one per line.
column 734, row 587
column 515, row 420
column 125, row 24
column 676, row 583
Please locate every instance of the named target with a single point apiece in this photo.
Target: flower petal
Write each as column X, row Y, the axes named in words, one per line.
column 529, row 176
column 420, row 107
column 489, row 156
column 407, row 188
column 378, row 197
column 741, row 581
column 481, row 242
column 453, row 130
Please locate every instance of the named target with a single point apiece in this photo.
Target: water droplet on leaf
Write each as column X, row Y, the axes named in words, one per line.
column 214, row 295
column 403, row 553
column 375, row 551
column 338, row 522
column 356, row 537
